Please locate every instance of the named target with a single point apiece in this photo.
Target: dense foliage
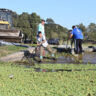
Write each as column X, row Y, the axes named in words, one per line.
column 89, row 32
column 28, row 23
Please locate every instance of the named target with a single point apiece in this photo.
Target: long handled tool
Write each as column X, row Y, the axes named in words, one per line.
column 67, row 43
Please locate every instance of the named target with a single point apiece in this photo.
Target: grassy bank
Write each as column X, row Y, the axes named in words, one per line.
column 5, row 50
column 27, row 82
column 20, row 80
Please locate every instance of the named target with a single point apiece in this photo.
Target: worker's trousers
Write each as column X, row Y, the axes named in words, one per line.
column 49, row 49
column 78, row 46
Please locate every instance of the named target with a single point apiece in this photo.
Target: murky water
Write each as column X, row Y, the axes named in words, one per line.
column 89, row 57
column 82, row 58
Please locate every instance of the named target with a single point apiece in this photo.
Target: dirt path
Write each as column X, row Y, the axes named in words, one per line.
column 15, row 56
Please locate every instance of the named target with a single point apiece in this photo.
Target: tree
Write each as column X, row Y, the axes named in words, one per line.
column 56, row 31
column 82, row 27
column 15, row 19
column 92, row 31
column 50, row 21
column 92, row 25
column 27, row 23
column 34, row 21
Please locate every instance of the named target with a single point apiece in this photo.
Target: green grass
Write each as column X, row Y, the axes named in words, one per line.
column 34, row 45
column 27, row 82
column 5, row 50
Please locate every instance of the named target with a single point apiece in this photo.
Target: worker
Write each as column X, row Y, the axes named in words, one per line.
column 42, row 43
column 42, row 30
column 41, row 27
column 72, row 39
column 78, row 36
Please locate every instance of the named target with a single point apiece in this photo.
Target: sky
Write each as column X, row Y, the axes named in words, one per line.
column 63, row 12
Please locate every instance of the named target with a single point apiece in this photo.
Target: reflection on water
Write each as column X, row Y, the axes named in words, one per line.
column 81, row 58
column 89, row 57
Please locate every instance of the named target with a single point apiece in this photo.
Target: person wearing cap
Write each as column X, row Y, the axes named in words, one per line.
column 41, row 27
column 78, row 36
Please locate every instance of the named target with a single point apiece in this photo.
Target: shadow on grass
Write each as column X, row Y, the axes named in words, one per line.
column 61, row 70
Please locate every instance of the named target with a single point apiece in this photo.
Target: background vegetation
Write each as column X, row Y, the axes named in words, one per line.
column 27, row 23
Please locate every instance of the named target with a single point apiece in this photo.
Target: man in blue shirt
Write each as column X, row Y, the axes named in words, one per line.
column 78, row 36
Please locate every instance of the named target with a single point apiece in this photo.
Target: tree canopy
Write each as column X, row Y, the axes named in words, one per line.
column 27, row 23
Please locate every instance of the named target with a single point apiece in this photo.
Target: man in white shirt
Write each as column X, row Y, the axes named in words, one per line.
column 42, row 43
